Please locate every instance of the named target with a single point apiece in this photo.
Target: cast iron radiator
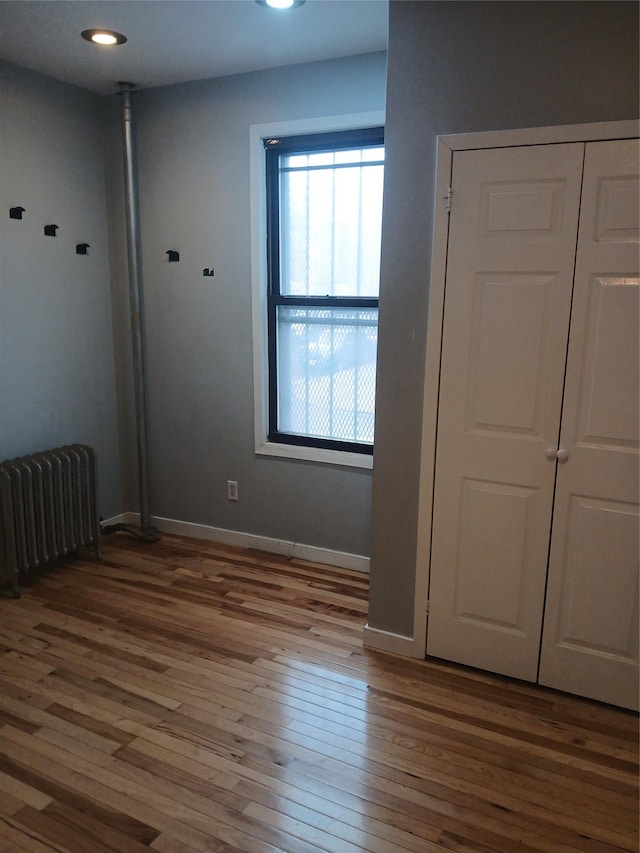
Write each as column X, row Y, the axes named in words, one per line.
column 48, row 509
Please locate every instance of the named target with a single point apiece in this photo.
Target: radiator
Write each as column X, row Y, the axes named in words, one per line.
column 48, row 510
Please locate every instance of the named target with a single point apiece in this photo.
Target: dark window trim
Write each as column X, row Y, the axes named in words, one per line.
column 305, row 142
column 274, row 147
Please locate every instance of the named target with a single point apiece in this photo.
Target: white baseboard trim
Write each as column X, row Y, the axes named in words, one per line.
column 387, row 641
column 123, row 518
column 339, row 559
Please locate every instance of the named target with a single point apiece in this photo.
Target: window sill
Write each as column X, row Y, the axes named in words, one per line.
column 316, row 454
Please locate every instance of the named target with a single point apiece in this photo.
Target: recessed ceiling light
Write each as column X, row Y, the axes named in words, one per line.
column 280, row 4
column 108, row 37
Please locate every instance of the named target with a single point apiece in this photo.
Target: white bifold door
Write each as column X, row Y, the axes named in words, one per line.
column 534, row 565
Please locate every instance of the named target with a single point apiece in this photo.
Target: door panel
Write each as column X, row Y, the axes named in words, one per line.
column 608, row 402
column 526, row 210
column 510, row 313
column 481, row 596
column 604, row 619
column 508, row 294
column 590, row 638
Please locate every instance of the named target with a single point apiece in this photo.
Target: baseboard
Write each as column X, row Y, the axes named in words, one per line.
column 123, row 518
column 387, row 641
column 339, row 559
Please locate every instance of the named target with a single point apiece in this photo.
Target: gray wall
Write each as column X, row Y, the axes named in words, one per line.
column 193, row 153
column 454, row 68
column 56, row 350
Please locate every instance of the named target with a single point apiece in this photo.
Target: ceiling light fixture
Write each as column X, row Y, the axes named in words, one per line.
column 280, row 4
column 108, row 37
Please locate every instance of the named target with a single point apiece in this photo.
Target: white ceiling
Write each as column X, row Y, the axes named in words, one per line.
column 172, row 41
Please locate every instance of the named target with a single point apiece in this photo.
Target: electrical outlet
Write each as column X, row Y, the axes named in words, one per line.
column 232, row 490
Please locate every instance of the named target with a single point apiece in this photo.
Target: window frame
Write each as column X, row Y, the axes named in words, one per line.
column 275, row 148
column 285, row 445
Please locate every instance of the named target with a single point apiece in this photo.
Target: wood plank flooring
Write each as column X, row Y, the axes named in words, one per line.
column 188, row 696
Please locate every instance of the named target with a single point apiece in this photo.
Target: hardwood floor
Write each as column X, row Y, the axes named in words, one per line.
column 188, row 696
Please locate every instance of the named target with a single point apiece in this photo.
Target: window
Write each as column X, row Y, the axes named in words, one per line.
column 324, row 215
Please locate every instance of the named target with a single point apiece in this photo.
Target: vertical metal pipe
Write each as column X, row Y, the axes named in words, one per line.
column 136, row 303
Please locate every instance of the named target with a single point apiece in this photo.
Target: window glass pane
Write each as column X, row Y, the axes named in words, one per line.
column 321, row 158
column 370, row 154
column 349, row 155
column 330, row 227
column 327, row 372
column 328, row 158
column 296, row 160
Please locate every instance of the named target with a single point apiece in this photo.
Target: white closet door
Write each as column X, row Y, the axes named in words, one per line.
column 508, row 294
column 590, row 638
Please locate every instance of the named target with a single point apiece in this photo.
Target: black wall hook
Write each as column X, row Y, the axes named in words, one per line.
column 81, row 248
column 50, row 230
column 207, row 271
column 16, row 212
column 173, row 255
